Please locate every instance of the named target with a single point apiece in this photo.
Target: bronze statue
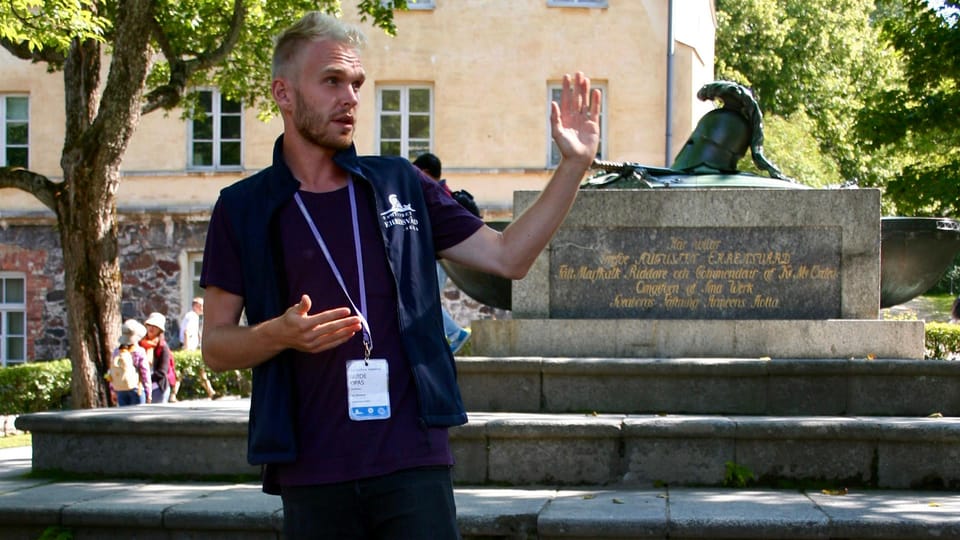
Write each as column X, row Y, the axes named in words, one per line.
column 719, row 141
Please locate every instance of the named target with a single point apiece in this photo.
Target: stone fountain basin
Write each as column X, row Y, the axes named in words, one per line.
column 914, row 254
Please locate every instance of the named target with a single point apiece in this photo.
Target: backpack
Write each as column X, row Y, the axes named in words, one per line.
column 123, row 375
column 465, row 199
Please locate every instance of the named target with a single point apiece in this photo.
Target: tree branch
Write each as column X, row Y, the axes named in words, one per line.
column 20, row 50
column 212, row 58
column 46, row 191
column 169, row 95
column 81, row 82
column 119, row 105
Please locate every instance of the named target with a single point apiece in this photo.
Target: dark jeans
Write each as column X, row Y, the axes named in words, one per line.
column 410, row 504
column 127, row 397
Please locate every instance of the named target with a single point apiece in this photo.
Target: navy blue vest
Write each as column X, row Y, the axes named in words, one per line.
column 251, row 206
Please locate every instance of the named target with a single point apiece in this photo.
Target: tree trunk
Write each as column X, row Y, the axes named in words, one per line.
column 93, row 289
column 96, row 137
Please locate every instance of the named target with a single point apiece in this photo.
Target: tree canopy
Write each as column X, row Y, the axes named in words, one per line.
column 810, row 64
column 877, row 80
column 918, row 116
column 223, row 43
column 156, row 53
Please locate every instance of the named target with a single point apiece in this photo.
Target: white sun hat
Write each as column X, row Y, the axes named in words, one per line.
column 158, row 320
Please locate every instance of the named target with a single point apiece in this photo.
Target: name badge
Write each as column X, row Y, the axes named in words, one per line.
column 368, row 394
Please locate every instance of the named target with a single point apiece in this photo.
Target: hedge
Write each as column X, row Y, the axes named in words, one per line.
column 943, row 340
column 225, row 383
column 34, row 387
column 45, row 386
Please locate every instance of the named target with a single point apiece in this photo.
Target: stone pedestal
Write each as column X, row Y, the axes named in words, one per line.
column 712, row 272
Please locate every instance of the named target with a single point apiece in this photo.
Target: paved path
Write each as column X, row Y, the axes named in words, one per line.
column 14, row 462
column 203, row 508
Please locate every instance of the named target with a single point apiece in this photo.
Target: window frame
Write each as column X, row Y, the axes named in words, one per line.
column 191, row 264
column 194, row 268
column 404, row 113
column 217, row 140
column 413, row 5
column 552, row 149
column 577, row 3
column 4, row 144
column 12, row 307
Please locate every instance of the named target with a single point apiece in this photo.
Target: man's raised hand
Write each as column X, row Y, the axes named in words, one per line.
column 575, row 121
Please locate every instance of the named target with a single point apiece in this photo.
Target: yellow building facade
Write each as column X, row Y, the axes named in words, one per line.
column 469, row 80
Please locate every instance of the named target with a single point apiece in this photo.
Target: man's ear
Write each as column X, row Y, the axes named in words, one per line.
column 281, row 92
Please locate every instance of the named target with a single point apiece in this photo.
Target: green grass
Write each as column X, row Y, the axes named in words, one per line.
column 12, row 441
column 941, row 302
column 928, row 307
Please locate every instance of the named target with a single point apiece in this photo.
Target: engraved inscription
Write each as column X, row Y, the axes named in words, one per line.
column 696, row 273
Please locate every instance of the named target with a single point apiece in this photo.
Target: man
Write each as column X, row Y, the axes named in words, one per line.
column 430, row 164
column 331, row 257
column 190, row 326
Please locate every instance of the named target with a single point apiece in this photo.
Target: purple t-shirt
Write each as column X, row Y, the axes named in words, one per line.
column 331, row 447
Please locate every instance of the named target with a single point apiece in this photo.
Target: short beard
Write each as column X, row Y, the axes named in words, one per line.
column 311, row 127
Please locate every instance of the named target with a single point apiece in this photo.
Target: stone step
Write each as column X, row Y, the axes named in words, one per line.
column 215, row 511
column 751, row 386
column 208, row 439
column 694, row 338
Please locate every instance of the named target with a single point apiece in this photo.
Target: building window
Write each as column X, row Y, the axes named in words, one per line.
column 192, row 264
column 412, row 4
column 553, row 159
column 577, row 3
column 405, row 116
column 195, row 266
column 14, row 139
column 13, row 319
column 216, row 132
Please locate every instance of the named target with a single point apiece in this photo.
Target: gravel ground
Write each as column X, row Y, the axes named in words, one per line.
column 920, row 307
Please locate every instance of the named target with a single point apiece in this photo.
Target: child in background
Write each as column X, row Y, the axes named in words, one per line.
column 128, row 375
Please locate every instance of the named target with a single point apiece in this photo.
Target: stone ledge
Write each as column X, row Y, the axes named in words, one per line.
column 779, row 386
column 527, row 449
column 669, row 338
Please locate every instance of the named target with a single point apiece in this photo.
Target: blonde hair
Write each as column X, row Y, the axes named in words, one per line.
column 314, row 26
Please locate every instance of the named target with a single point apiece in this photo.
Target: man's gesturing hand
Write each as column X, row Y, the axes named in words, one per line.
column 319, row 332
column 575, row 121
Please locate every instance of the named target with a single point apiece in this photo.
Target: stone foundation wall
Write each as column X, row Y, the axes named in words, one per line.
column 154, row 249
column 33, row 251
column 152, row 252
column 465, row 310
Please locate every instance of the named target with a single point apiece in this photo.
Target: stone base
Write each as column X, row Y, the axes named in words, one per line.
column 648, row 338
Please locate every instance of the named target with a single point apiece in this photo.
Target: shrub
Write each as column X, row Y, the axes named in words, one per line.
column 45, row 385
column 35, row 387
column 191, row 369
column 942, row 340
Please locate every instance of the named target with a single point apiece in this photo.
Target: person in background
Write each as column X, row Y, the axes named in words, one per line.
column 431, row 165
column 456, row 335
column 128, row 374
column 191, row 332
column 331, row 257
column 190, row 328
column 955, row 311
column 159, row 357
